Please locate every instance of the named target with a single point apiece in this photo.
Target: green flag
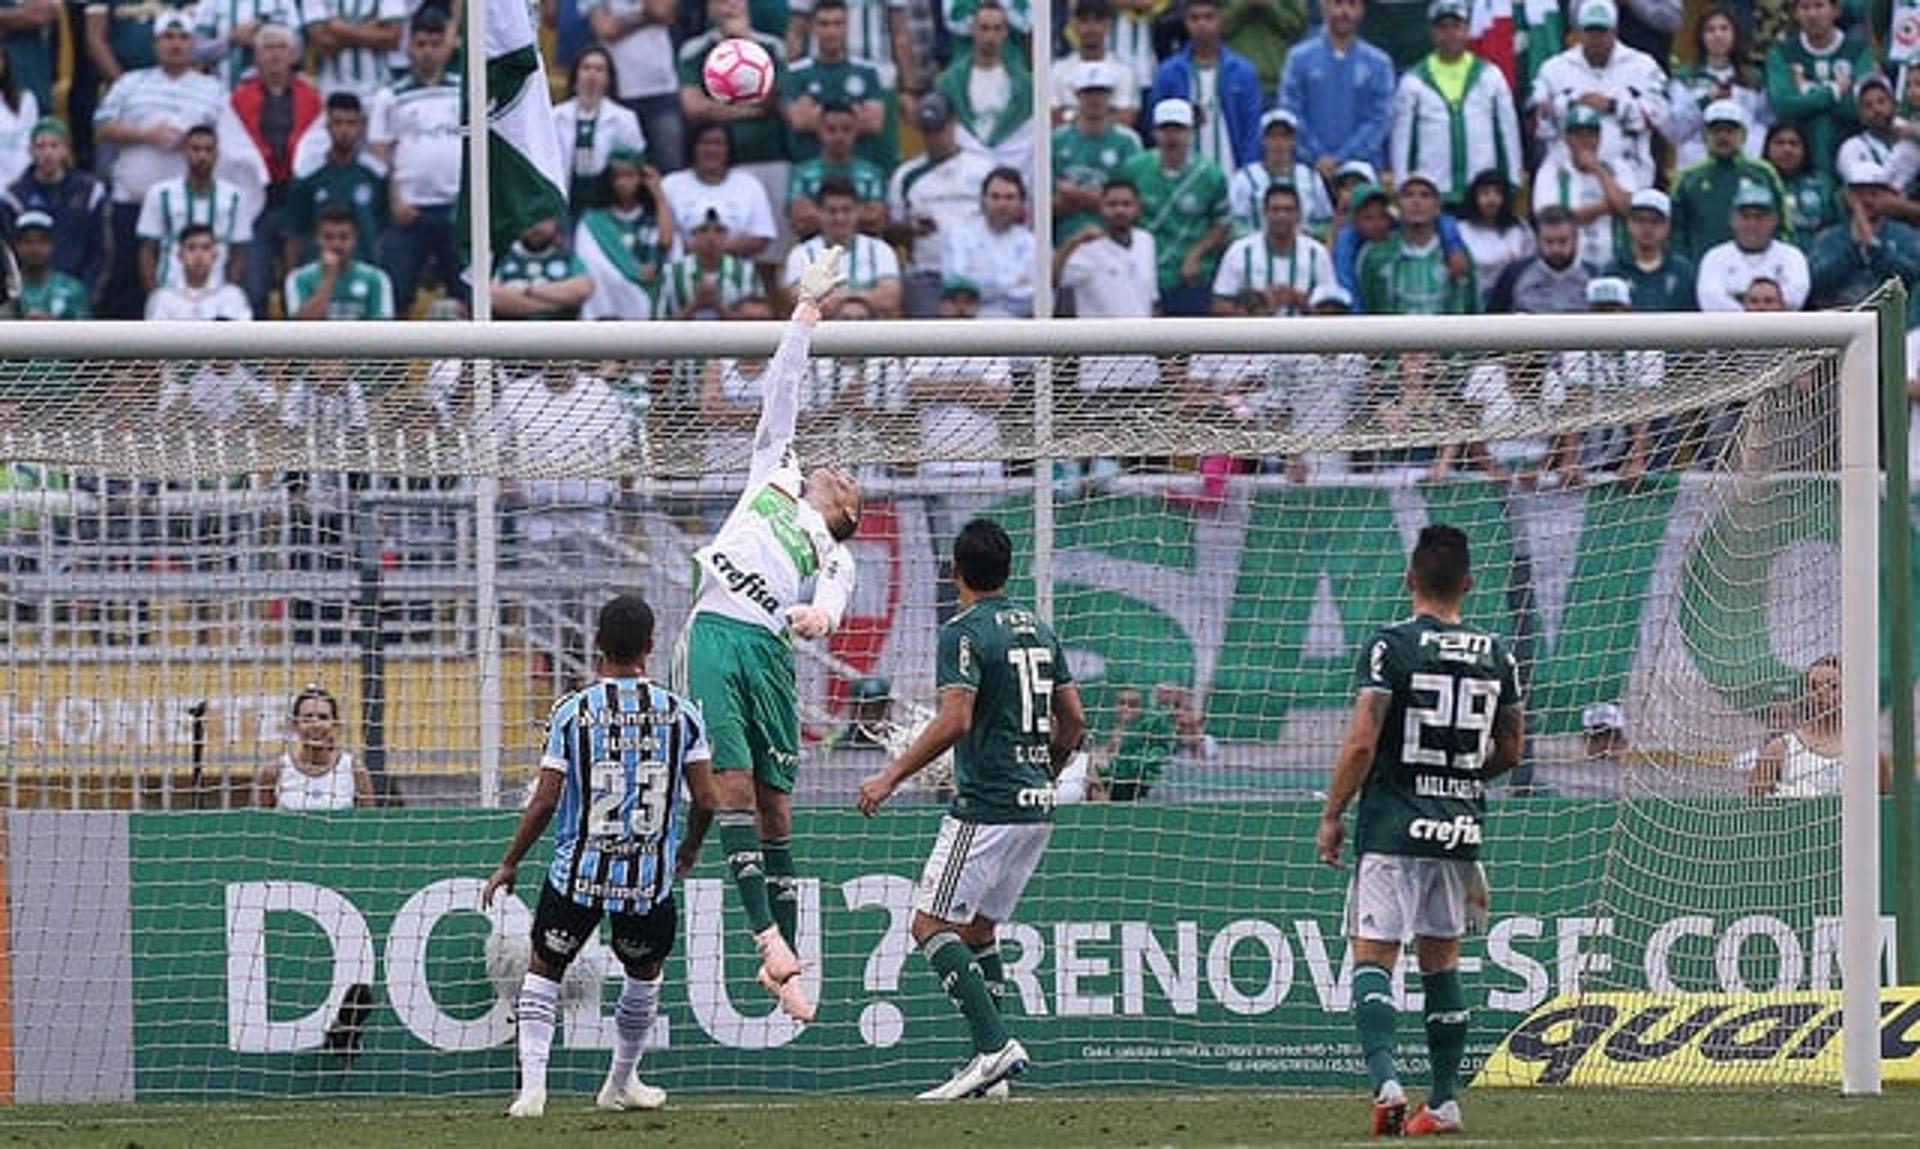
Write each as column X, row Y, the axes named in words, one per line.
column 525, row 175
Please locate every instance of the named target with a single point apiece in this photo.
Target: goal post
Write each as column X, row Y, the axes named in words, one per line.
column 1214, row 538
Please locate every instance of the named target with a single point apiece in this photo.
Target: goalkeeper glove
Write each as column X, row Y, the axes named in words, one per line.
column 821, row 277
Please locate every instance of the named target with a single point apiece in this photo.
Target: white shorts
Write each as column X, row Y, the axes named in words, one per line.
column 980, row 869
column 1394, row 897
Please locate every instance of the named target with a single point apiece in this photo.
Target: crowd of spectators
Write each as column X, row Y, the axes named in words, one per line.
column 300, row 159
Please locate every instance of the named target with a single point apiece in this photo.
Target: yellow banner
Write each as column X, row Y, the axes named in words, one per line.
column 1697, row 1039
column 121, row 716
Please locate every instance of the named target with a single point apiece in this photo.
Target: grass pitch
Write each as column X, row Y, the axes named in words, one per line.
column 1055, row 1121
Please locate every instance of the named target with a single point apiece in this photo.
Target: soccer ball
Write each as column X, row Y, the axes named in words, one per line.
column 738, row 71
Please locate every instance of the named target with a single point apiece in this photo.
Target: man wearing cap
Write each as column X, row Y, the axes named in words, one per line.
column 1276, row 269
column 1625, row 86
column 1603, row 754
column 1183, row 203
column 1453, row 113
column 416, row 128
column 1092, row 29
column 1703, row 194
column 1878, row 144
column 1605, row 380
column 146, row 115
column 345, row 176
column 1089, row 151
column 1341, row 88
column 1574, row 178
column 832, row 76
column 929, row 196
column 1279, row 163
column 74, row 200
column 352, row 40
column 1407, row 273
column 1219, row 83
column 1658, row 278
column 1847, row 264
column 1812, row 78
column 707, row 282
column 836, row 160
column 990, row 94
column 1755, row 251
column 123, row 35
column 45, row 292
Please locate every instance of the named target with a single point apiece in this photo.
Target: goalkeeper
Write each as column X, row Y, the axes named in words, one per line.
column 778, row 568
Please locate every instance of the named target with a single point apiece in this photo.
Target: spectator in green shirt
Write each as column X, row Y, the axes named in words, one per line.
column 1811, row 78
column 1406, row 273
column 1813, row 199
column 539, row 277
column 44, row 292
column 344, row 178
column 1658, row 278
column 1090, row 150
column 338, row 284
column 830, row 76
column 1703, row 194
column 1183, row 205
column 1137, row 751
column 838, row 129
column 1848, row 263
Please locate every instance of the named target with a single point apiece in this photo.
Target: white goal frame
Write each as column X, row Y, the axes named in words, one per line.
column 1852, row 335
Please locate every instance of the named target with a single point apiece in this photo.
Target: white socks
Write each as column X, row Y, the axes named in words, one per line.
column 632, row 1019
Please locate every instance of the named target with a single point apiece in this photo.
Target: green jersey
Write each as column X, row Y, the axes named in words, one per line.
column 362, row 291
column 761, row 139
column 869, row 182
column 1817, row 89
column 1178, row 209
column 849, row 82
column 1813, row 205
column 1002, row 767
column 1669, row 287
column 354, row 184
column 1703, row 202
column 1397, row 278
column 1089, row 162
column 1424, row 795
column 550, row 266
column 57, row 296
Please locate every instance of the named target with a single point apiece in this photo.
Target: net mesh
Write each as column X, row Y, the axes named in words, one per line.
column 188, row 545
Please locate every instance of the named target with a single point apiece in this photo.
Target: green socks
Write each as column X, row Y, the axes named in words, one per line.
column 952, row 962
column 993, row 971
column 1374, row 1016
column 1446, row 1032
column 748, row 865
column 783, row 892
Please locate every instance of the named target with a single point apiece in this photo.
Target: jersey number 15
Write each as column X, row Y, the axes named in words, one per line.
column 1034, row 665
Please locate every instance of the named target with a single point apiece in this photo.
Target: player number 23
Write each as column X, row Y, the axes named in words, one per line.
column 1472, row 713
column 610, row 816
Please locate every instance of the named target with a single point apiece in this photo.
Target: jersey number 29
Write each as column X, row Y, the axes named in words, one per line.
column 604, row 818
column 1472, row 712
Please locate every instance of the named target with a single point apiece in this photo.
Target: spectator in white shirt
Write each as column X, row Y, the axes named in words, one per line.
column 639, row 35
column 198, row 197
column 1754, row 252
column 996, row 250
column 1275, row 270
column 146, row 115
column 415, row 129
column 224, row 32
column 197, row 293
column 1113, row 273
column 873, row 271
column 931, row 197
column 1596, row 192
column 590, row 127
column 712, row 183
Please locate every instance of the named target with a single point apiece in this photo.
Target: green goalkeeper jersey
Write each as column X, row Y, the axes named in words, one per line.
column 1002, row 766
column 1425, row 795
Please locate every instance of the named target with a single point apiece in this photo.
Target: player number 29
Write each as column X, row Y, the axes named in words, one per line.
column 1034, row 665
column 642, row 819
column 1469, row 706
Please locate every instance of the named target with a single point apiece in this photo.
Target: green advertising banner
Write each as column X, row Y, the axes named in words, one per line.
column 1173, row 946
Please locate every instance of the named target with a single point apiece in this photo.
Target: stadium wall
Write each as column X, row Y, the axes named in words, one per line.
column 198, row 956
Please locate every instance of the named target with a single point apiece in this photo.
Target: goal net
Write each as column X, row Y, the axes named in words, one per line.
column 1215, row 520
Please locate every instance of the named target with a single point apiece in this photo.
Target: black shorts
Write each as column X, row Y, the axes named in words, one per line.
column 561, row 926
